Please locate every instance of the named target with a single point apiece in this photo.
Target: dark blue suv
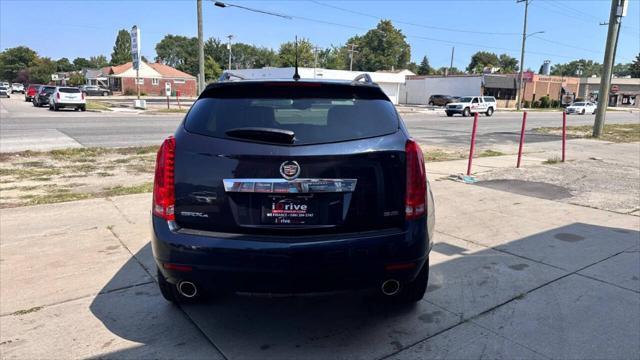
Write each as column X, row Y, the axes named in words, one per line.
column 291, row 186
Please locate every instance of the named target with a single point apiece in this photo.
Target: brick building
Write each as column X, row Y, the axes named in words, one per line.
column 151, row 78
column 536, row 86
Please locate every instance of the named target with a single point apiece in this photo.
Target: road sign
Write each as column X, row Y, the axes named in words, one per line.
column 55, row 77
column 167, row 88
column 135, row 47
column 615, row 88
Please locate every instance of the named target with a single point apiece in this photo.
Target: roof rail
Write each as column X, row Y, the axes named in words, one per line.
column 365, row 77
column 227, row 75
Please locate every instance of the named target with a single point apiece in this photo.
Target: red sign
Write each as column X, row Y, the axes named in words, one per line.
column 615, row 88
column 527, row 76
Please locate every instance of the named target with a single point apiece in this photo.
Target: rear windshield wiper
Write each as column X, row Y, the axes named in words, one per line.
column 263, row 134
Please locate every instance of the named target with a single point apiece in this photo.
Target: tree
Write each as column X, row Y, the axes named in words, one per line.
column 382, row 48
column 634, row 69
column 98, row 62
column 76, row 78
column 424, row 68
column 287, row 54
column 481, row 60
column 42, row 69
column 413, row 67
column 445, row 70
column 15, row 59
column 180, row 52
column 334, row 57
column 122, row 49
column 81, row 63
column 212, row 69
column 582, row 67
column 64, row 65
column 507, row 64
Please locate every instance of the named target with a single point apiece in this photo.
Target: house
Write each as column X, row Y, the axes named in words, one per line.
column 152, row 78
column 390, row 82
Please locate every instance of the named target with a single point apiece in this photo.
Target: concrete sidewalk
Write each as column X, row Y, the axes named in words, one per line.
column 512, row 276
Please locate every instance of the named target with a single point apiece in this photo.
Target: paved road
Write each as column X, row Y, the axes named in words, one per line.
column 24, row 127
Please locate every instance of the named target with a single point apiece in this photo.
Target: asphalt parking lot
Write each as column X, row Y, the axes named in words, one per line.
column 512, row 276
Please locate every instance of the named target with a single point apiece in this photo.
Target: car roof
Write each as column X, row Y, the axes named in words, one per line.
column 301, row 81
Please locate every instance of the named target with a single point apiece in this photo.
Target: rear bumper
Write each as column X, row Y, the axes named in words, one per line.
column 309, row 264
column 66, row 103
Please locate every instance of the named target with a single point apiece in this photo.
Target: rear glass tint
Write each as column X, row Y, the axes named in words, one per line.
column 69, row 90
column 323, row 117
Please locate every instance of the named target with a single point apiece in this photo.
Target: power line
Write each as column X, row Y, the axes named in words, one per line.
column 410, row 23
column 567, row 45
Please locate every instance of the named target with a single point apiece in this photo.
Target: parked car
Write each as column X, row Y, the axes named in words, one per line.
column 5, row 84
column 31, row 92
column 582, row 107
column 4, row 92
column 94, row 90
column 440, row 100
column 63, row 97
column 17, row 87
column 291, row 186
column 42, row 95
column 468, row 105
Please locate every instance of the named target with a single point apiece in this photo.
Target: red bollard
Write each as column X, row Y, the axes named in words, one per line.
column 564, row 134
column 524, row 124
column 473, row 142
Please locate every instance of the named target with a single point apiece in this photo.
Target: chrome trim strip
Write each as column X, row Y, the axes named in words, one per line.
column 297, row 186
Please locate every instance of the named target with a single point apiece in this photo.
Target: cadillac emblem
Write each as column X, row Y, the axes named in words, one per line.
column 290, row 170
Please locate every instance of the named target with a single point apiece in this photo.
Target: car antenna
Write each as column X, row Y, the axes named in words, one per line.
column 296, row 76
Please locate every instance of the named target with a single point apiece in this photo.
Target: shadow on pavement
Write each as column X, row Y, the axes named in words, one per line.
column 467, row 281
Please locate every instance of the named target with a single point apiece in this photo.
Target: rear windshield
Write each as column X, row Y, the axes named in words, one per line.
column 48, row 89
column 69, row 90
column 578, row 104
column 313, row 120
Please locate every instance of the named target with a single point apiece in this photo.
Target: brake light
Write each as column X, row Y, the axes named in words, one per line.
column 415, row 200
column 58, row 96
column 163, row 184
column 82, row 95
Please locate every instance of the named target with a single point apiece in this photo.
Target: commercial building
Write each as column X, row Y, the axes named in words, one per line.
column 624, row 92
column 152, row 78
column 390, row 81
column 503, row 87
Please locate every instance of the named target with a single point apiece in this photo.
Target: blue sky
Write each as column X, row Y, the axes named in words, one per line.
column 85, row 28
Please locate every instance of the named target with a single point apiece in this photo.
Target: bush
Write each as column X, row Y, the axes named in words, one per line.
column 129, row 92
column 527, row 104
column 536, row 104
column 555, row 103
column 545, row 102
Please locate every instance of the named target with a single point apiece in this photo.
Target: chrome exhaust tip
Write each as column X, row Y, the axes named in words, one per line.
column 187, row 289
column 390, row 287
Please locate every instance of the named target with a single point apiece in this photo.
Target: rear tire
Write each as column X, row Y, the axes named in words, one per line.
column 489, row 112
column 55, row 107
column 449, row 114
column 466, row 112
column 583, row 112
column 430, row 103
column 105, row 94
column 83, row 108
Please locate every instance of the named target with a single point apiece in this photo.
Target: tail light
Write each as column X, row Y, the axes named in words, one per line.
column 58, row 96
column 415, row 201
column 163, row 184
column 82, row 95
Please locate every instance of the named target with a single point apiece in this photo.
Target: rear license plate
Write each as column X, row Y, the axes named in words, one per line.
column 289, row 211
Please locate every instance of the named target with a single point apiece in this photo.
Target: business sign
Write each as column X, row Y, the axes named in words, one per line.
column 135, row 47
column 55, row 77
column 527, row 76
column 167, row 88
column 615, row 88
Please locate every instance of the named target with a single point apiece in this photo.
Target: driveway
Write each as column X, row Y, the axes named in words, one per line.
column 512, row 276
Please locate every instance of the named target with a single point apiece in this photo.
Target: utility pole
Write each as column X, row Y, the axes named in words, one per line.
column 315, row 59
column 201, row 79
column 229, row 48
column 618, row 10
column 519, row 94
column 453, row 50
column 351, row 52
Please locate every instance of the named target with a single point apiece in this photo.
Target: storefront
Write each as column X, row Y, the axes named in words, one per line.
column 624, row 92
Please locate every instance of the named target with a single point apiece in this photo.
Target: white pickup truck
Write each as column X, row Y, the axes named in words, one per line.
column 468, row 105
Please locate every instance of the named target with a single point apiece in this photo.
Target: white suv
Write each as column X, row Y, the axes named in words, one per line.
column 468, row 105
column 17, row 87
column 67, row 97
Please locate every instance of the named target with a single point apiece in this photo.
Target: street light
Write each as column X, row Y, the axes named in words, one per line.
column 519, row 95
column 224, row 5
